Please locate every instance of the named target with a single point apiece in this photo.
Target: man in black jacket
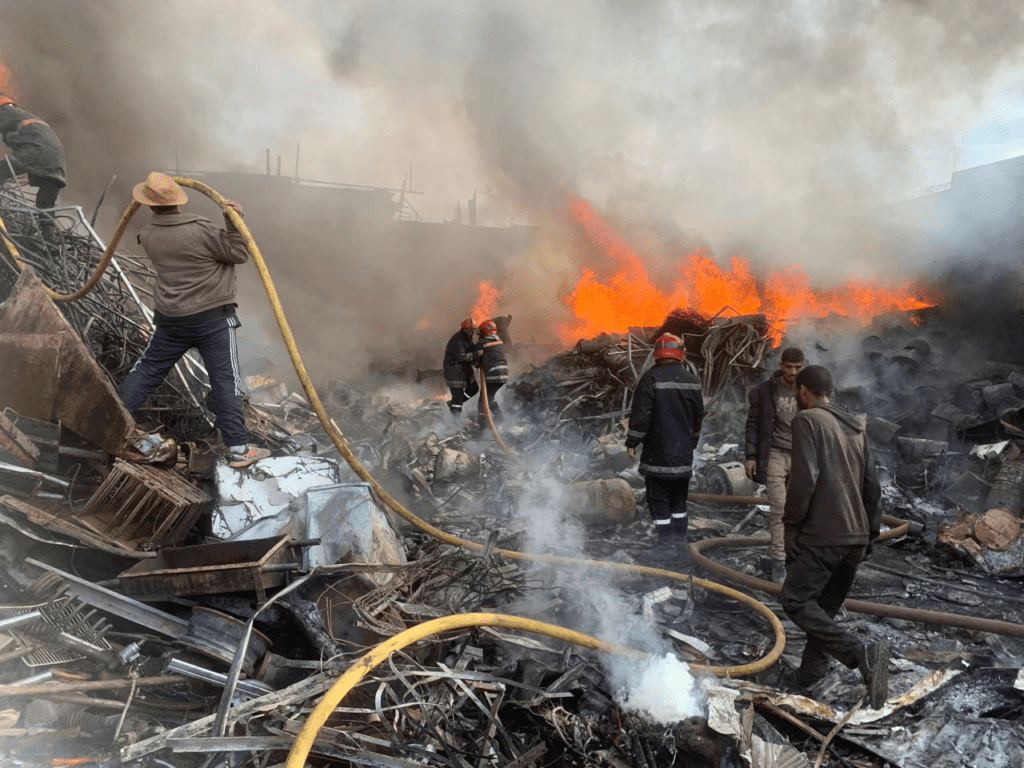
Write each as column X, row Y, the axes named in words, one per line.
column 35, row 150
column 666, row 416
column 459, row 356
column 832, row 517
column 767, row 449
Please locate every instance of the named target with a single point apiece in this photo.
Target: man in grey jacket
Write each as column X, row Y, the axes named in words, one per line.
column 194, row 307
column 832, row 517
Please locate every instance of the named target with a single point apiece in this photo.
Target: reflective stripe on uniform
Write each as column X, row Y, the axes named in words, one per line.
column 634, row 433
column 683, row 470
column 675, row 385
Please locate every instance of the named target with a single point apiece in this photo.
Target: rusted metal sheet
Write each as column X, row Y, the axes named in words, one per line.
column 85, row 399
column 143, row 507
column 231, row 566
column 30, row 362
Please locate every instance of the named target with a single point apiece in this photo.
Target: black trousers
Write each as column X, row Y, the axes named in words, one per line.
column 48, row 189
column 817, row 582
column 666, row 498
column 217, row 346
column 492, row 404
column 462, row 394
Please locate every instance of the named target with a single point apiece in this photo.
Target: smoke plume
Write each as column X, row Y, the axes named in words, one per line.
column 770, row 129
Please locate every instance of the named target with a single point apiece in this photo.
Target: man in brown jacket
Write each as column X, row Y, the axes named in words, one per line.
column 194, row 307
column 832, row 517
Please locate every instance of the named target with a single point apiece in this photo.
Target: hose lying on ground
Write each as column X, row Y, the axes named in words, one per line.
column 366, row 663
column 343, row 449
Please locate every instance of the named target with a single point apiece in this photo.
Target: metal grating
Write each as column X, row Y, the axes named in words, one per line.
column 143, row 506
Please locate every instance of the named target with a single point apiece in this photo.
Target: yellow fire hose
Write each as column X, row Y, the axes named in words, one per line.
column 366, row 663
column 450, row 622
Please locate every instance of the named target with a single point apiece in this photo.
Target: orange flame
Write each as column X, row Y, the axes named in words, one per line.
column 629, row 298
column 8, row 87
column 486, row 305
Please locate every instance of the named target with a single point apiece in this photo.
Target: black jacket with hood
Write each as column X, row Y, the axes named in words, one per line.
column 667, row 414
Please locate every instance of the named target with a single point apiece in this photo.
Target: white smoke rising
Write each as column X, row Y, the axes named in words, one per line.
column 661, row 688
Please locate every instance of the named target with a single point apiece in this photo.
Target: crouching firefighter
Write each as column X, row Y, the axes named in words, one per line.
column 459, row 374
column 494, row 364
column 666, row 416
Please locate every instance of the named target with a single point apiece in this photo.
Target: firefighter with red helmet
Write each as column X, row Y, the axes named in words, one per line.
column 459, row 375
column 35, row 150
column 493, row 362
column 666, row 416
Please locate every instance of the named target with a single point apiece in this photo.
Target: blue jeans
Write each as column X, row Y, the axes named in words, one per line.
column 217, row 346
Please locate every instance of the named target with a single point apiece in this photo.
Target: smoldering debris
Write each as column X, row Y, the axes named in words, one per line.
column 217, row 628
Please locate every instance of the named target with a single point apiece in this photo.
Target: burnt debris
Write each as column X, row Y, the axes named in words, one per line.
column 160, row 608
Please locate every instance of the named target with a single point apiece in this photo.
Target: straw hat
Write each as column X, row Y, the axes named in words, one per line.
column 159, row 189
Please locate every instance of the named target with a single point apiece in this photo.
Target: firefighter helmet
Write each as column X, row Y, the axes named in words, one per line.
column 467, row 324
column 488, row 328
column 6, row 100
column 669, row 346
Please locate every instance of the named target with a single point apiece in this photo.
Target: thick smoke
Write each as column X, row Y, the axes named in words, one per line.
column 766, row 128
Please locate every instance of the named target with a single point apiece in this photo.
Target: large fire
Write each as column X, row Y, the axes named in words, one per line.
column 486, row 304
column 629, row 297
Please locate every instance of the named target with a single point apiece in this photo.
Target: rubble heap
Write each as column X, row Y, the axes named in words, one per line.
column 160, row 608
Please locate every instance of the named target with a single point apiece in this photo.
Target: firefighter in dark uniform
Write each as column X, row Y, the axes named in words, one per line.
column 494, row 364
column 667, row 413
column 35, row 150
column 459, row 374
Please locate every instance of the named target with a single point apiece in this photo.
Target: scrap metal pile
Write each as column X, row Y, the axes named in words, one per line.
column 158, row 608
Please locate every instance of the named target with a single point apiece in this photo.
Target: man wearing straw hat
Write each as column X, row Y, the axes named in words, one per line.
column 194, row 307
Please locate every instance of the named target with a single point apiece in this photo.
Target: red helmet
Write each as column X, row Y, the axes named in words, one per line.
column 467, row 324
column 669, row 346
column 6, row 100
column 488, row 328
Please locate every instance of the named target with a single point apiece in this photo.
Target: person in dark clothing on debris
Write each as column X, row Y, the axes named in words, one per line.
column 195, row 306
column 459, row 374
column 767, row 447
column 35, row 150
column 667, row 414
column 832, row 517
column 492, row 361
